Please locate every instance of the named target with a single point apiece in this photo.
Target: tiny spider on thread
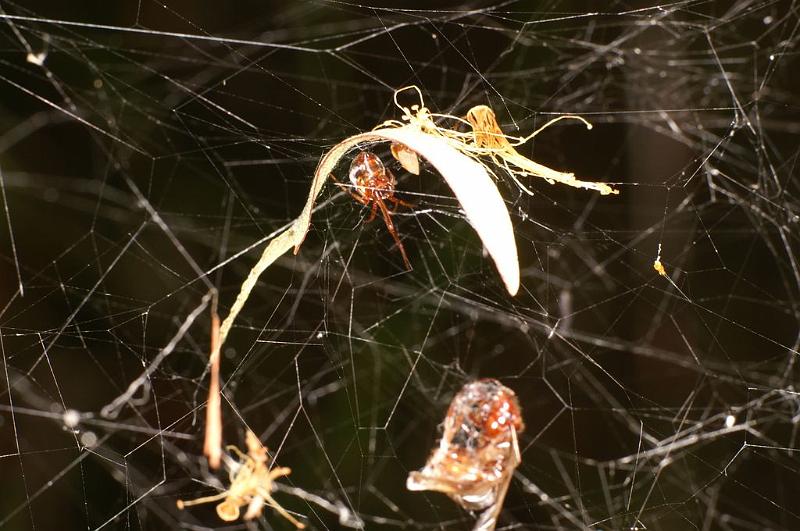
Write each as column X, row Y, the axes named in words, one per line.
column 251, row 486
column 375, row 184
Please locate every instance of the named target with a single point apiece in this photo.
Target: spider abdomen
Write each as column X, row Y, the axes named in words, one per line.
column 370, row 177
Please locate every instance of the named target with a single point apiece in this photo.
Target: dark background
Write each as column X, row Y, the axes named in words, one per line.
column 343, row 363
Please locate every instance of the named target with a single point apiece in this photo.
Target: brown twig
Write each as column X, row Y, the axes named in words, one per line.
column 212, row 447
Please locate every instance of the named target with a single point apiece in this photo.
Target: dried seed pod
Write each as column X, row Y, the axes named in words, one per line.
column 478, row 452
column 407, row 157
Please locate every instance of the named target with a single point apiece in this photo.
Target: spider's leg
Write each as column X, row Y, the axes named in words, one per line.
column 399, row 202
column 345, row 188
column 389, row 225
column 374, row 210
column 336, row 181
column 275, row 505
column 239, row 453
column 205, row 499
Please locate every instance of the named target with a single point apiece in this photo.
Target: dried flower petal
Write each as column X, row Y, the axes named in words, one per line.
column 490, row 137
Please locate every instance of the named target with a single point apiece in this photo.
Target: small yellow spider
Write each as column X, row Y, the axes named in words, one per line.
column 251, row 486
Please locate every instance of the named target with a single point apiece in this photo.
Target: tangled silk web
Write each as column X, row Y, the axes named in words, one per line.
column 151, row 150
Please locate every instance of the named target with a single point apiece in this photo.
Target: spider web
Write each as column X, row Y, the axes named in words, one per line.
column 150, row 150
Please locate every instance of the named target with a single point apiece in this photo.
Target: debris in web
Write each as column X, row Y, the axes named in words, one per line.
column 472, row 186
column 212, row 445
column 478, row 451
column 657, row 265
column 696, row 109
column 498, row 146
column 251, row 484
column 485, row 141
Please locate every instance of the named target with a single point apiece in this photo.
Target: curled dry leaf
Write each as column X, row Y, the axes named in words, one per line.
column 478, row 452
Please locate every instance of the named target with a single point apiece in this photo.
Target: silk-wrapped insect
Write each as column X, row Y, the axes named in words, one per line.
column 478, row 451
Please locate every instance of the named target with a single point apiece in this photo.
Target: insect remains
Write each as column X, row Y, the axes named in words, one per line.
column 478, row 451
column 375, row 185
column 251, row 485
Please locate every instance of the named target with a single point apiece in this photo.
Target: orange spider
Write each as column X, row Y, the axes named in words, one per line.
column 375, row 183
